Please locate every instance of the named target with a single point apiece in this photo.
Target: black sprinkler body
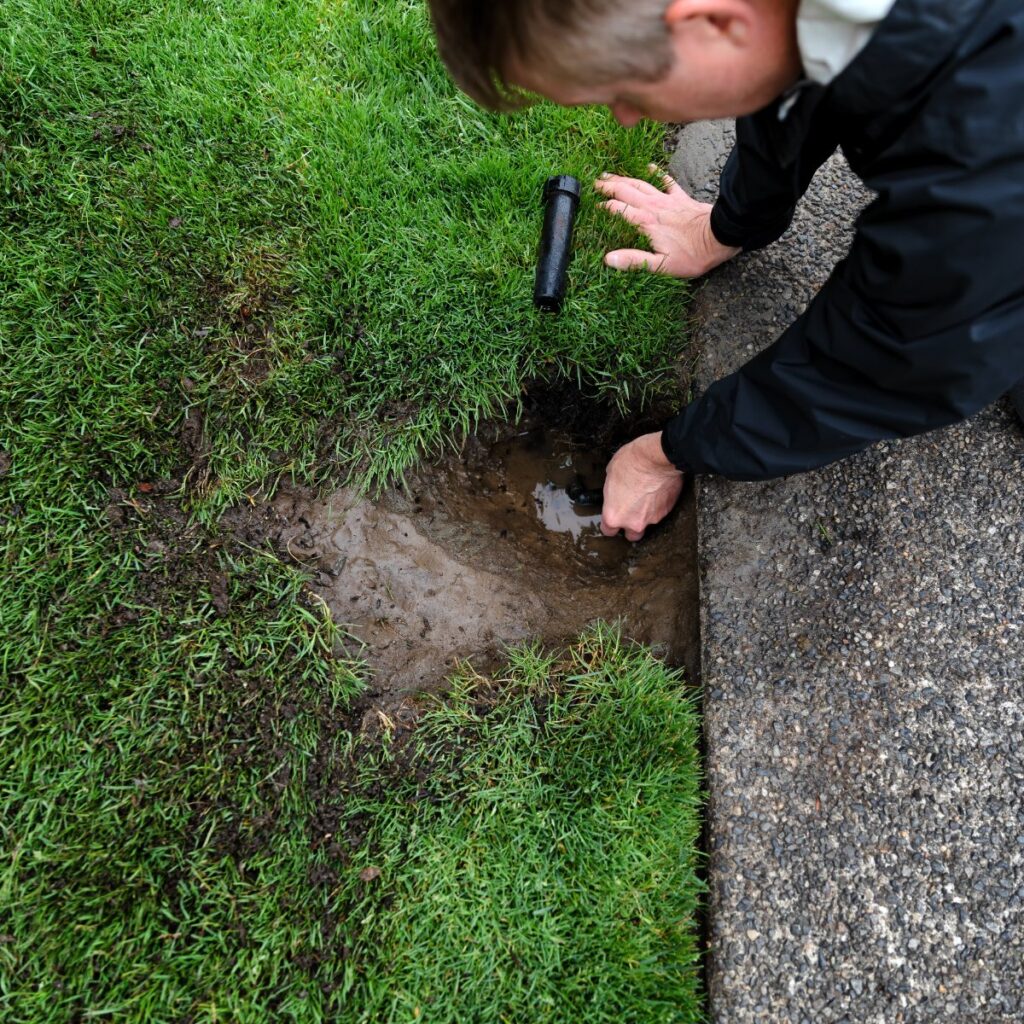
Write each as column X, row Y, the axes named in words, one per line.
column 583, row 496
column 561, row 199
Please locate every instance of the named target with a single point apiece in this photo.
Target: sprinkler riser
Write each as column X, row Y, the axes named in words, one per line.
column 561, row 201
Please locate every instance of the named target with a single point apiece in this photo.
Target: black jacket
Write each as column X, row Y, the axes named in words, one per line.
column 923, row 324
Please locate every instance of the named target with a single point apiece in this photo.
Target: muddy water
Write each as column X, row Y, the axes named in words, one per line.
column 488, row 549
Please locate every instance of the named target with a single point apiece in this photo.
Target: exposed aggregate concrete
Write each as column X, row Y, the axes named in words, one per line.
column 863, row 664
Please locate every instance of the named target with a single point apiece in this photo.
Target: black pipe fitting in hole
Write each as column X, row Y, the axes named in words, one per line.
column 584, row 496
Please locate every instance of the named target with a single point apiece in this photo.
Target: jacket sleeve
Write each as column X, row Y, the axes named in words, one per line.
column 921, row 326
column 769, row 169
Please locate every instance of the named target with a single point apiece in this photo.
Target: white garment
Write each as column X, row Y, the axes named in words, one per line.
column 832, row 32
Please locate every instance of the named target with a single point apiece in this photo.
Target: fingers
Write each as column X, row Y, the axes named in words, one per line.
column 636, row 215
column 670, row 185
column 622, row 188
column 636, row 259
column 613, row 531
column 615, row 184
column 628, row 193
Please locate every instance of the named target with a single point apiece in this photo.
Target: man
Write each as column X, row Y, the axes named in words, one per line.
column 923, row 324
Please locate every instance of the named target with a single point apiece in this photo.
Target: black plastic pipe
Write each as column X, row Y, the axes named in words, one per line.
column 585, row 497
column 561, row 200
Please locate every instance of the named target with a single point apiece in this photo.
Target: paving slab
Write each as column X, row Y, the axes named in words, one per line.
column 863, row 667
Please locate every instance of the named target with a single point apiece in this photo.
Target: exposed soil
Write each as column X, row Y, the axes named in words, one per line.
column 482, row 549
column 487, row 548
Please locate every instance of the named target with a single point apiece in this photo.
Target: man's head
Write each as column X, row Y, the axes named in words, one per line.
column 668, row 60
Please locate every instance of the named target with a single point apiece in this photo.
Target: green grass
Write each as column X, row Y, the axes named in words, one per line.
column 169, row 168
column 245, row 242
column 556, row 880
column 525, row 854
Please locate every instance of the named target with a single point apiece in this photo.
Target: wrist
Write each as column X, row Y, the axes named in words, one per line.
column 718, row 252
column 653, row 453
column 723, row 231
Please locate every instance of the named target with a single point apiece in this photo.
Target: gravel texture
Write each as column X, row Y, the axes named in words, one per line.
column 863, row 664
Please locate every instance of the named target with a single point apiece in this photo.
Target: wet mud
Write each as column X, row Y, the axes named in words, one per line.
column 487, row 549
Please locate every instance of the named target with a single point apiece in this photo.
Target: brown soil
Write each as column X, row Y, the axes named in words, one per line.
column 482, row 549
column 485, row 549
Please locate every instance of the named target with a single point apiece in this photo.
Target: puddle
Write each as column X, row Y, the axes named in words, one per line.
column 564, row 501
column 524, row 487
column 486, row 549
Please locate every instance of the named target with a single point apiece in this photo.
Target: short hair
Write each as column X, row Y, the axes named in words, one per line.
column 589, row 42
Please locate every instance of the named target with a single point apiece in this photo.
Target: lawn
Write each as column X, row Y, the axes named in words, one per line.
column 244, row 244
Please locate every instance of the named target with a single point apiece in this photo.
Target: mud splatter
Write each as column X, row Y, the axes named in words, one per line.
column 484, row 550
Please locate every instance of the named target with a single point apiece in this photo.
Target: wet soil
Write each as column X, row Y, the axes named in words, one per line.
column 481, row 549
column 487, row 549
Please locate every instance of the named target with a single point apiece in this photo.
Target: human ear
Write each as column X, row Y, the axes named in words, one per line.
column 731, row 19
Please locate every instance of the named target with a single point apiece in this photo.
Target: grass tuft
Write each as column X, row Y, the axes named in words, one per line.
column 544, row 869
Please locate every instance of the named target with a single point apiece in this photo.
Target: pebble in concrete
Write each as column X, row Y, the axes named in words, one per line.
column 863, row 664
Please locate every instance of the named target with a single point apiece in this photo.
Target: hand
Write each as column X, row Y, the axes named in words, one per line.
column 640, row 489
column 678, row 226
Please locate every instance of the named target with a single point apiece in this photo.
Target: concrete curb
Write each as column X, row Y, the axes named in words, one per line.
column 863, row 665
